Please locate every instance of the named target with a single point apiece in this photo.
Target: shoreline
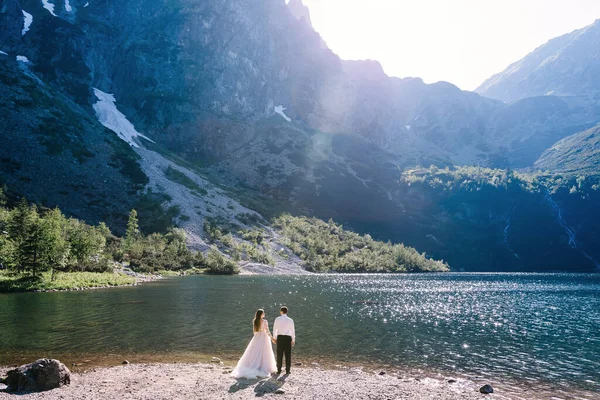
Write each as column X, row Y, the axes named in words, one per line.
column 144, row 376
column 75, row 281
column 136, row 279
column 212, row 381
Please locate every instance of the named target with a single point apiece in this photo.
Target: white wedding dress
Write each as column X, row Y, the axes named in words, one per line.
column 258, row 360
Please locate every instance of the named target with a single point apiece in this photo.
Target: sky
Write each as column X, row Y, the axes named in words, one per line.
column 460, row 41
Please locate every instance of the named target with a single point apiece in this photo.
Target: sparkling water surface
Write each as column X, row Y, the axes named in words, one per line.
column 538, row 327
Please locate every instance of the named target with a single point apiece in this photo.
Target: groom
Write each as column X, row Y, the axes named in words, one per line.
column 285, row 337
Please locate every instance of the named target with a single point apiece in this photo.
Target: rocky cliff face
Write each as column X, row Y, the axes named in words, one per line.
column 11, row 21
column 300, row 11
column 55, row 153
column 197, row 76
column 247, row 93
column 565, row 66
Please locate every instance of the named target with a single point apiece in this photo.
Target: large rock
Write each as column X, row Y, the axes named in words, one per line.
column 44, row 374
column 486, row 389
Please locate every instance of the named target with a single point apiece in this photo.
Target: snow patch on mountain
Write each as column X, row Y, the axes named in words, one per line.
column 68, row 7
column 113, row 119
column 3, row 53
column 280, row 110
column 22, row 59
column 86, row 4
column 49, row 6
column 27, row 20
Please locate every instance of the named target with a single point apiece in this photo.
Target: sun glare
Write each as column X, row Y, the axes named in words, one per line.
column 460, row 41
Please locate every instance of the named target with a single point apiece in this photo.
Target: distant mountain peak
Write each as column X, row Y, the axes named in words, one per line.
column 565, row 66
column 365, row 69
column 299, row 10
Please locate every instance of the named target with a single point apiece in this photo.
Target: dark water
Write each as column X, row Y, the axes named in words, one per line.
column 539, row 327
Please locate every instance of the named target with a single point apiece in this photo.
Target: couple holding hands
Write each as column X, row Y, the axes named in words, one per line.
column 258, row 360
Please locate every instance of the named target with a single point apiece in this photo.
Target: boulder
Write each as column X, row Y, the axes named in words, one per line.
column 486, row 389
column 44, row 374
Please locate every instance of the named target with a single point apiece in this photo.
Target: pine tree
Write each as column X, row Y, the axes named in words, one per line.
column 20, row 229
column 104, row 230
column 133, row 229
column 3, row 199
column 7, row 247
column 30, row 243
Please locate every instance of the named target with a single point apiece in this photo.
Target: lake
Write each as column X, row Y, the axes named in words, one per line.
column 523, row 327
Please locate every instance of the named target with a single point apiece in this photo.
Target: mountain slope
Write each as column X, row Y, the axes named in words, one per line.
column 53, row 152
column 565, row 66
column 246, row 108
column 577, row 154
column 218, row 68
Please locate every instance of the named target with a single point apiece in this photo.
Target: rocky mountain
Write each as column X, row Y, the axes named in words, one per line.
column 575, row 154
column 565, row 66
column 299, row 10
column 227, row 108
column 53, row 151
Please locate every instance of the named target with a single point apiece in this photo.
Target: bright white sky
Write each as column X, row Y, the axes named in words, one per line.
column 460, row 41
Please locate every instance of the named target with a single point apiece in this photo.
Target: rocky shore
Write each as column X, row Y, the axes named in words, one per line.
column 212, row 381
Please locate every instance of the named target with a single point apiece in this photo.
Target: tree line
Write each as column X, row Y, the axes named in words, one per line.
column 35, row 240
column 474, row 178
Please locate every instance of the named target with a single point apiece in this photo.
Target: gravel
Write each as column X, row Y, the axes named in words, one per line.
column 205, row 381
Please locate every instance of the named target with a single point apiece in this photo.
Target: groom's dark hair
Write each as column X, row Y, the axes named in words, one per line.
column 283, row 309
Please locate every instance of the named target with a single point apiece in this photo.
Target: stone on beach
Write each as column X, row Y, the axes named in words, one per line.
column 486, row 389
column 42, row 375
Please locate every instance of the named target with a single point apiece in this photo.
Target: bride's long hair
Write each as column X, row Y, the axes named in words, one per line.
column 257, row 319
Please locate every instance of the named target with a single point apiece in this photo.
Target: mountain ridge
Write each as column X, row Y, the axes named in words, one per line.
column 563, row 66
column 244, row 101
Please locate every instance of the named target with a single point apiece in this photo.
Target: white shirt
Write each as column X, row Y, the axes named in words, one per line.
column 284, row 325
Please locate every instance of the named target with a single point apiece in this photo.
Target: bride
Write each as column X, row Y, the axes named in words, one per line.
column 258, row 360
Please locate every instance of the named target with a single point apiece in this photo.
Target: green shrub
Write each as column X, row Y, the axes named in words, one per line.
column 217, row 264
column 256, row 236
column 326, row 246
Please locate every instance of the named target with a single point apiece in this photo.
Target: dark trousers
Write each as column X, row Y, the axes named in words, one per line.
column 284, row 345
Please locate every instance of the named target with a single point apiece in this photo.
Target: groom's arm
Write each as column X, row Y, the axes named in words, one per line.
column 293, row 333
column 275, row 329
